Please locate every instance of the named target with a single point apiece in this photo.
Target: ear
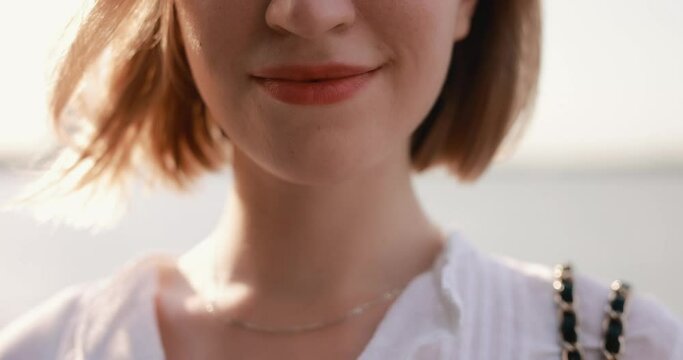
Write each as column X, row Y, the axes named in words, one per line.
column 466, row 10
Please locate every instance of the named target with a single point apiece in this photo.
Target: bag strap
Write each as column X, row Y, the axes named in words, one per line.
column 612, row 325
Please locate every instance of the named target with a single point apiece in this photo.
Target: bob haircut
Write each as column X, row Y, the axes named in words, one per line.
column 148, row 114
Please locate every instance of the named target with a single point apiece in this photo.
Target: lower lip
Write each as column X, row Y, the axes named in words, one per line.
column 316, row 93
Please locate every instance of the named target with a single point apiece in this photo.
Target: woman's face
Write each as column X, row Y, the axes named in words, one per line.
column 320, row 133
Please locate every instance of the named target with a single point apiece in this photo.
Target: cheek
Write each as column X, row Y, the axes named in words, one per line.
column 419, row 38
column 215, row 22
column 217, row 35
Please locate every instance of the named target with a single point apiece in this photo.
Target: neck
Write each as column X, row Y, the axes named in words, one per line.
column 350, row 240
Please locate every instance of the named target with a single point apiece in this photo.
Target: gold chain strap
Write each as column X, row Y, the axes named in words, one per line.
column 612, row 325
column 564, row 298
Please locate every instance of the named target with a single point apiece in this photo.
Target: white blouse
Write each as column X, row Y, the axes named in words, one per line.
column 469, row 305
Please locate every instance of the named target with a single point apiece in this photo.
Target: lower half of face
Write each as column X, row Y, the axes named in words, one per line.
column 319, row 133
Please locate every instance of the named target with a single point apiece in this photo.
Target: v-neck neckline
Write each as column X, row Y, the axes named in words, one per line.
column 374, row 344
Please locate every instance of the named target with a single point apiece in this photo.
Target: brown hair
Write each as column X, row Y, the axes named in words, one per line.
column 150, row 113
column 492, row 80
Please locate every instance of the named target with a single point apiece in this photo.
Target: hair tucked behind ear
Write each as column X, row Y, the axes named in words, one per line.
column 492, row 80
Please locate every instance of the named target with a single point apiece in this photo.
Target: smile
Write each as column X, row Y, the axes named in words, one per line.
column 321, row 85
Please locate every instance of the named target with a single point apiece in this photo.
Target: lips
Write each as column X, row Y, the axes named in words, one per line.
column 308, row 73
column 314, row 85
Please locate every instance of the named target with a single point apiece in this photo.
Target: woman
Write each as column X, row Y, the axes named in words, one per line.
column 323, row 251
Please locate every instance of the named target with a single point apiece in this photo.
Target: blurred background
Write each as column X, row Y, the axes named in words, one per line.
column 597, row 178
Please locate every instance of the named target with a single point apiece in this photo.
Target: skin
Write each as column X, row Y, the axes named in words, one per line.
column 322, row 215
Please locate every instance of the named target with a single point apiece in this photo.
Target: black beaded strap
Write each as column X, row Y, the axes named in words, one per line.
column 612, row 325
column 564, row 298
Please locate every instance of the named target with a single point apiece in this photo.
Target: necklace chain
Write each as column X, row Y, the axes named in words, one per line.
column 211, row 308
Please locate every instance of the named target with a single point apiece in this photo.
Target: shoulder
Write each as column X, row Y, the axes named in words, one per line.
column 82, row 317
column 39, row 332
column 651, row 330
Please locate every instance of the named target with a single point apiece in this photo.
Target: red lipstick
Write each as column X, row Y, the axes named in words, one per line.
column 314, row 85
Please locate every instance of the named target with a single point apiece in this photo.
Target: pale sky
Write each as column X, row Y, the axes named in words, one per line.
column 611, row 86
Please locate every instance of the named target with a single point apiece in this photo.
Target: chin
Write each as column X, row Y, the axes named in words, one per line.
column 317, row 169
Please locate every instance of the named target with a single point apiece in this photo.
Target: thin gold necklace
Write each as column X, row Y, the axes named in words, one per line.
column 211, row 308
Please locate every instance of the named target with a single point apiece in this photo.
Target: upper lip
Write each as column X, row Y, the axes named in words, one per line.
column 311, row 72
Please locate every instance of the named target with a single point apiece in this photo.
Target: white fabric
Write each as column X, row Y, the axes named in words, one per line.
column 470, row 305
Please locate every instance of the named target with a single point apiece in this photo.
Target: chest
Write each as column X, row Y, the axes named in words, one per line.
column 187, row 335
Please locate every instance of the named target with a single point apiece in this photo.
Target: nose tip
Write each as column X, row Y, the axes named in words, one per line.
column 310, row 18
